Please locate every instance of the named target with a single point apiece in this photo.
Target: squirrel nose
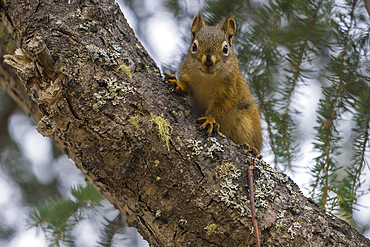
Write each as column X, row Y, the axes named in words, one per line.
column 208, row 61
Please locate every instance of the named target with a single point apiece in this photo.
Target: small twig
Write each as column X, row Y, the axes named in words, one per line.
column 251, row 193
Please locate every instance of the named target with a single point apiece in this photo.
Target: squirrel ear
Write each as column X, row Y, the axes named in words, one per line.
column 196, row 25
column 229, row 27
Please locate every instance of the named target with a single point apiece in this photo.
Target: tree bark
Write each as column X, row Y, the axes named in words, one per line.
column 103, row 102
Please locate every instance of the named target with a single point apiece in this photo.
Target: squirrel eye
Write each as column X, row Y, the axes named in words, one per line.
column 194, row 48
column 225, row 49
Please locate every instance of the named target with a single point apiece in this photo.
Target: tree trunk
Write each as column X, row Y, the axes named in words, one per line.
column 103, row 102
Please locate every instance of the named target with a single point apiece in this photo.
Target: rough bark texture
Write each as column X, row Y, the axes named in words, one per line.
column 138, row 143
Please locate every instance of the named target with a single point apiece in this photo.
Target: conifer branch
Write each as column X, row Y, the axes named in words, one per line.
column 361, row 153
column 331, row 109
column 58, row 217
column 260, row 48
column 295, row 58
column 111, row 228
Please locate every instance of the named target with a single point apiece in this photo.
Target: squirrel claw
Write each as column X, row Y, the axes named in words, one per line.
column 252, row 150
column 210, row 122
column 169, row 76
column 172, row 82
column 171, row 79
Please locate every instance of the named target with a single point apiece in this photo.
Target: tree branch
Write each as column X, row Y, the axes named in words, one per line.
column 103, row 102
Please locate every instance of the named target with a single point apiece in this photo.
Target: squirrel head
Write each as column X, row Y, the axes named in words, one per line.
column 212, row 46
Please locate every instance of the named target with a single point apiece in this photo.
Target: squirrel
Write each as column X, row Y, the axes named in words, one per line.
column 211, row 82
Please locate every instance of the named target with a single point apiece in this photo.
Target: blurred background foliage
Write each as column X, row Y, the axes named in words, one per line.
column 307, row 64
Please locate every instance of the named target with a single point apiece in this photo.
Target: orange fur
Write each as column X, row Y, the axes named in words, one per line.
column 211, row 81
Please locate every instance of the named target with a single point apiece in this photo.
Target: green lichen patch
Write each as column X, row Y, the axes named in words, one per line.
column 210, row 229
column 10, row 46
column 164, row 128
column 280, row 219
column 216, row 146
column 87, row 25
column 264, row 193
column 126, row 70
column 280, row 223
column 183, row 222
column 264, row 186
column 196, row 147
column 228, row 169
column 158, row 213
column 116, row 91
column 265, row 183
column 292, row 228
column 107, row 56
column 228, row 193
column 134, row 120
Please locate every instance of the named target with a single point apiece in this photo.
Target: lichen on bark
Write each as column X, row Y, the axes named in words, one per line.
column 123, row 162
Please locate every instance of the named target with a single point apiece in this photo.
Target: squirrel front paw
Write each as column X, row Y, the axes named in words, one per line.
column 172, row 82
column 252, row 150
column 210, row 122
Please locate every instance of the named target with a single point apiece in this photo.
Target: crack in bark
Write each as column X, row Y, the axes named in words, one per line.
column 37, row 7
column 70, row 105
column 150, row 230
column 149, row 209
column 9, row 19
column 205, row 240
column 185, row 231
column 67, row 127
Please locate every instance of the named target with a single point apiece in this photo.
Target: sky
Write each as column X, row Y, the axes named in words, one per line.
column 164, row 44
